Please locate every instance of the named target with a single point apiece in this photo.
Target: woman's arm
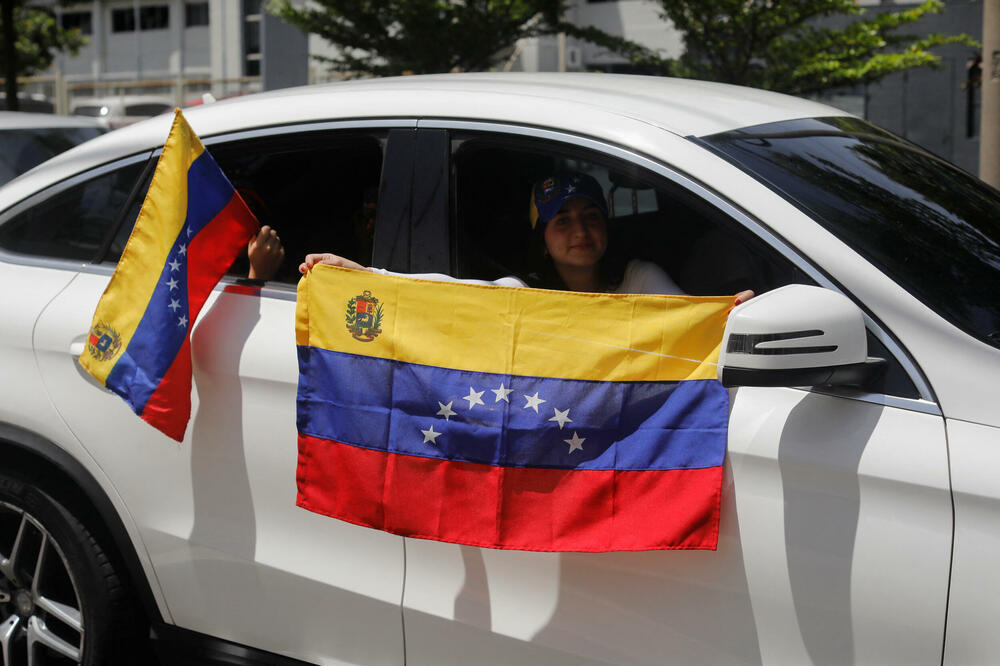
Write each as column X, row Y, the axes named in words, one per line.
column 336, row 260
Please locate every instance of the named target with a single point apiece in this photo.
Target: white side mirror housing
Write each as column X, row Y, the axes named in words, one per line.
column 796, row 335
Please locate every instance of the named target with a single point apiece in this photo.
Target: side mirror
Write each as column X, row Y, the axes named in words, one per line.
column 797, row 336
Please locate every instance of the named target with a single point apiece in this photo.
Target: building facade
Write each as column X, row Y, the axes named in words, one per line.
column 184, row 48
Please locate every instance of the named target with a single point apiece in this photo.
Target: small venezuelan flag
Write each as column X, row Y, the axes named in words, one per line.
column 191, row 226
column 511, row 418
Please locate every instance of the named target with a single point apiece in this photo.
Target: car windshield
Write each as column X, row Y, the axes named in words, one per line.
column 930, row 226
column 22, row 149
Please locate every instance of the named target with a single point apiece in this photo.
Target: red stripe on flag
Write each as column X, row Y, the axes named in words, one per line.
column 212, row 249
column 510, row 507
column 169, row 407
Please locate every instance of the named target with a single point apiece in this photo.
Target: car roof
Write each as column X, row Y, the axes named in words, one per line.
column 17, row 120
column 573, row 102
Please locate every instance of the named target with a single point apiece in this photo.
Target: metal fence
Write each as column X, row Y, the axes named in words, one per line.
column 56, row 94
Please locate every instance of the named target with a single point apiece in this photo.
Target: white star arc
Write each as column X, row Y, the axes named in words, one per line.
column 446, row 411
column 561, row 417
column 533, row 401
column 502, row 393
column 430, row 435
column 475, row 397
column 575, row 442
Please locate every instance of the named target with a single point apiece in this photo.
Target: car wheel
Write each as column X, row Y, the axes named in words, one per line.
column 61, row 601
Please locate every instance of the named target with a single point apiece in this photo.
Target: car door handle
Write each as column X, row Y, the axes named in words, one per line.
column 75, row 349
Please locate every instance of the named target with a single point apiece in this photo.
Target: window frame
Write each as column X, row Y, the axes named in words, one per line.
column 927, row 401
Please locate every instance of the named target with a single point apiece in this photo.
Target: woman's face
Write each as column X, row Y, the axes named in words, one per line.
column 578, row 235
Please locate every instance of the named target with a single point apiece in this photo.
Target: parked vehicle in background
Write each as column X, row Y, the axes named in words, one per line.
column 29, row 103
column 28, row 139
column 860, row 503
column 119, row 110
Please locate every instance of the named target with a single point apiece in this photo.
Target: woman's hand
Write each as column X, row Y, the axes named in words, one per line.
column 266, row 253
column 743, row 297
column 330, row 259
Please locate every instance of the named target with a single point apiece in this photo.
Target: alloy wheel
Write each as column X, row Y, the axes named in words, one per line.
column 41, row 620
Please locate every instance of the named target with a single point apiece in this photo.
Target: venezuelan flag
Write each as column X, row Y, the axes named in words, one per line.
column 510, row 418
column 191, row 227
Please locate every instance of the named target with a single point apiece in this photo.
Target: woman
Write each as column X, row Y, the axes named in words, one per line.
column 569, row 220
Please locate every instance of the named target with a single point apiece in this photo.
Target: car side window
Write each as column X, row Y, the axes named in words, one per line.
column 72, row 223
column 704, row 251
column 319, row 191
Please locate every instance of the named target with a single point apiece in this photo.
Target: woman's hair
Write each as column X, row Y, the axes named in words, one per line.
column 542, row 272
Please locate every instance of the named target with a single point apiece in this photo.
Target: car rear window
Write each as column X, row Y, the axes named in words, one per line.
column 90, row 111
column 22, row 149
column 930, row 226
column 146, row 109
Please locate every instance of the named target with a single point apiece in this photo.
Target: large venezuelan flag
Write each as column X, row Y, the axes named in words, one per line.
column 510, row 418
column 191, row 226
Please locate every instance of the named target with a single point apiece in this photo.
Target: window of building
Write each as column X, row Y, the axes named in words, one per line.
column 122, row 20
column 156, row 17
column 79, row 20
column 251, row 38
column 195, row 14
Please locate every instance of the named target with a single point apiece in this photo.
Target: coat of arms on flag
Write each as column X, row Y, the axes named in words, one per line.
column 513, row 418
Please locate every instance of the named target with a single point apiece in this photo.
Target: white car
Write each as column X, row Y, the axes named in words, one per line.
column 28, row 139
column 860, row 508
column 115, row 111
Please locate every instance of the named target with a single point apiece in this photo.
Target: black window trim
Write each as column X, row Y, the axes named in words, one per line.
column 927, row 403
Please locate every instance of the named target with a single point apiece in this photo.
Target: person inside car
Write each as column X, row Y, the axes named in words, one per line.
column 569, row 222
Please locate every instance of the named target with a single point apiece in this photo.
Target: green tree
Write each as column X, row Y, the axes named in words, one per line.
column 381, row 38
column 777, row 44
column 29, row 39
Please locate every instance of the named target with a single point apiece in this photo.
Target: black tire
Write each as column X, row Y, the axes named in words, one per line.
column 58, row 589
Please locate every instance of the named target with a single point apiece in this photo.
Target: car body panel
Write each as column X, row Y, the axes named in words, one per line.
column 24, row 398
column 975, row 587
column 229, row 548
column 829, row 552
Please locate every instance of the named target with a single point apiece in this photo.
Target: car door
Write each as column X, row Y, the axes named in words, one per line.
column 232, row 554
column 836, row 516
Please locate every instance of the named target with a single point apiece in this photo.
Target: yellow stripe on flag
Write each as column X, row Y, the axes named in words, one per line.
column 514, row 330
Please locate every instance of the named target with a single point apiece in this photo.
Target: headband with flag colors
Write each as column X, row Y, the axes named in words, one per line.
column 510, row 417
column 191, row 227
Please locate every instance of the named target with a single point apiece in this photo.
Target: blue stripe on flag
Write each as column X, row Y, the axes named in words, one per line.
column 165, row 323
column 436, row 413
